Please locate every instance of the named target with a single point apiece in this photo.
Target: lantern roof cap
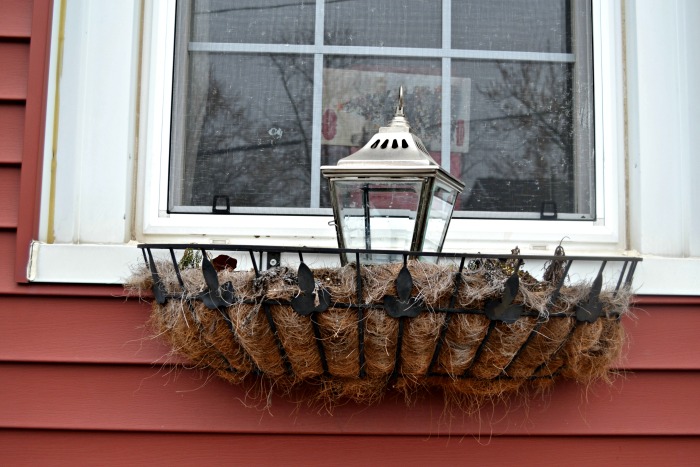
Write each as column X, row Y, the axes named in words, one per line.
column 395, row 144
column 393, row 149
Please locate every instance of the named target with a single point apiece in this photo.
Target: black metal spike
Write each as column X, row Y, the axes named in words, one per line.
column 403, row 305
column 305, row 303
column 504, row 310
column 211, row 277
column 158, row 290
column 591, row 309
column 215, row 297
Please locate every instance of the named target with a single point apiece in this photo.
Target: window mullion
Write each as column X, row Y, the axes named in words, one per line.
column 446, row 86
column 315, row 190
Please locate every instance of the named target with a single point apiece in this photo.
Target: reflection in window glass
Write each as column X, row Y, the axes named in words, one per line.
column 247, row 132
column 522, row 25
column 253, row 21
column 360, row 95
column 439, row 213
column 521, row 150
column 265, row 92
column 383, row 23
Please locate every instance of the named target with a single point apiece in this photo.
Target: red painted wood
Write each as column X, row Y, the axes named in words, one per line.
column 9, row 196
column 35, row 117
column 139, row 398
column 86, row 330
column 13, row 80
column 642, row 301
column 111, row 330
column 664, row 336
column 173, row 449
column 15, row 18
column 11, row 133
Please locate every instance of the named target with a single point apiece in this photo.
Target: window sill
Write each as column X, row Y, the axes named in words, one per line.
column 112, row 264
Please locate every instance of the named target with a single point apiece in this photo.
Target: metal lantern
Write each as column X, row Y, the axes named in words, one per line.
column 391, row 195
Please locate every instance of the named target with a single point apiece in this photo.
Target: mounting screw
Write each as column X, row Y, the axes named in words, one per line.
column 273, row 260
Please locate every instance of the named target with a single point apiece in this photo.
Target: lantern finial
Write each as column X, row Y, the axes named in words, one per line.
column 399, row 109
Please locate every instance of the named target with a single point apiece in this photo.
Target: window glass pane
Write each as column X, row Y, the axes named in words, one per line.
column 269, row 22
column 253, row 88
column 378, row 215
column 383, row 23
column 247, row 132
column 439, row 213
column 520, row 25
column 521, row 148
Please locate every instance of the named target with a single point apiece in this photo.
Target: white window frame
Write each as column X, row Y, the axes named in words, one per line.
column 108, row 127
column 464, row 234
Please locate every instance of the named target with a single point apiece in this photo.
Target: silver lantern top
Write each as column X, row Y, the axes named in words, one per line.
column 391, row 195
column 393, row 151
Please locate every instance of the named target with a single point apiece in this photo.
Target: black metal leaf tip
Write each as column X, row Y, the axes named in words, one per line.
column 504, row 310
column 305, row 303
column 215, row 297
column 158, row 289
column 209, row 272
column 220, row 298
column 403, row 305
column 591, row 309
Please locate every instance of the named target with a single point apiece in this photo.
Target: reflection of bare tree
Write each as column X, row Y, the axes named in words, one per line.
column 528, row 134
column 290, row 72
column 535, row 101
column 255, row 145
column 424, row 113
column 223, row 112
column 256, row 151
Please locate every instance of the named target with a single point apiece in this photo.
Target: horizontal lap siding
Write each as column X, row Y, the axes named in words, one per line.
column 83, row 380
column 14, row 57
column 15, row 28
column 11, row 133
column 112, row 330
column 63, row 448
column 143, row 398
column 9, row 194
column 15, row 19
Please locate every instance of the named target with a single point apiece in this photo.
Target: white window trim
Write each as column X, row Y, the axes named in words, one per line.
column 484, row 235
column 97, row 114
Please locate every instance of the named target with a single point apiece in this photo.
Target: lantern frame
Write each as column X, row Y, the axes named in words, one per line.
column 394, row 155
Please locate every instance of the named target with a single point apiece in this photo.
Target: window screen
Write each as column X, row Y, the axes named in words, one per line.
column 265, row 92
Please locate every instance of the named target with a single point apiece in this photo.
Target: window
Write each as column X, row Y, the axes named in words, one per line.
column 265, row 93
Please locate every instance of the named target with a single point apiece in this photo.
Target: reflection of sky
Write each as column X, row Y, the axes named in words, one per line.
column 247, row 21
column 504, row 25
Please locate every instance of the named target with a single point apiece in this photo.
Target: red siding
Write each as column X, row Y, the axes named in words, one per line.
column 15, row 19
column 11, row 132
column 111, row 330
column 13, row 80
column 173, row 449
column 144, row 398
column 9, row 193
column 82, row 381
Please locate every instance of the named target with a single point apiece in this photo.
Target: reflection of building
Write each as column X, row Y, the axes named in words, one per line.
column 495, row 194
column 82, row 382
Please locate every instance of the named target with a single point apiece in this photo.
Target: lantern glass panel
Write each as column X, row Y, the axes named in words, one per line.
column 378, row 214
column 442, row 203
